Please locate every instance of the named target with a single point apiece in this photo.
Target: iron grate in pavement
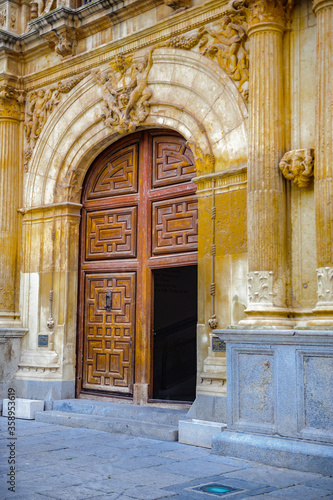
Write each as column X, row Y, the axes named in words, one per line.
column 216, row 489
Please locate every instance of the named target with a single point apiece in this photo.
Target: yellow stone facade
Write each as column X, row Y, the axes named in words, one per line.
column 244, row 83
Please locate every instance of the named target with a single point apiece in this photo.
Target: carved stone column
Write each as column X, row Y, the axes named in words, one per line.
column 323, row 172
column 10, row 183
column 267, row 223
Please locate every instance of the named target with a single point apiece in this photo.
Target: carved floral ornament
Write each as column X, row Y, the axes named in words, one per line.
column 297, row 166
column 263, row 11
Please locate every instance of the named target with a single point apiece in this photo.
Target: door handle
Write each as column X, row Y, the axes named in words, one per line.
column 108, row 300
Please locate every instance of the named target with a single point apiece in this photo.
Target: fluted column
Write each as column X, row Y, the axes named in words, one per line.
column 323, row 171
column 10, row 114
column 267, row 222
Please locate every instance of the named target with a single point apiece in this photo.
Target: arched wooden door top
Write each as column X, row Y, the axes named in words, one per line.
column 139, row 213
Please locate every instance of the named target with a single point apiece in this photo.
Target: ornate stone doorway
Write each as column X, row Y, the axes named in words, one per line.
column 139, row 215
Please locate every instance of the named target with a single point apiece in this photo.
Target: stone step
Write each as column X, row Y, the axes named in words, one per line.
column 129, row 426
column 120, row 410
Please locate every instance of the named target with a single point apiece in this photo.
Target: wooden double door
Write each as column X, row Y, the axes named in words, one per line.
column 139, row 214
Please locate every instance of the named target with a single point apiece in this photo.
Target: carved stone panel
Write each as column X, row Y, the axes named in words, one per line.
column 175, row 225
column 119, row 175
column 109, row 332
column 111, row 233
column 173, row 161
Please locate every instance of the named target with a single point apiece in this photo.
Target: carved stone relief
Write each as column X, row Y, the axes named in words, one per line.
column 125, row 92
column 297, row 166
column 325, row 286
column 3, row 18
column 204, row 162
column 41, row 104
column 63, row 42
column 225, row 42
column 10, row 101
column 69, row 189
column 259, row 11
column 260, row 286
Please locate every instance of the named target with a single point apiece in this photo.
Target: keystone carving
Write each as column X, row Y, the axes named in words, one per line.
column 297, row 166
column 41, row 104
column 224, row 42
column 125, row 92
column 325, row 286
column 260, row 286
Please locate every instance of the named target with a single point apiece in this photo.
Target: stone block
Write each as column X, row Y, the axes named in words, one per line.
column 198, row 432
column 24, row 408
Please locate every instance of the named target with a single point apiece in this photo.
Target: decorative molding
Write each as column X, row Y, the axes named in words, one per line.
column 325, row 286
column 3, row 18
column 41, row 104
column 125, row 92
column 297, row 166
column 69, row 189
column 260, row 287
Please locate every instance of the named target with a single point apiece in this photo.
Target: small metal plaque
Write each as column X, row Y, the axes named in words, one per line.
column 43, row 340
column 218, row 344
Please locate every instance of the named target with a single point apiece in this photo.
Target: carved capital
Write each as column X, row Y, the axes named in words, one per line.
column 260, row 288
column 325, row 286
column 264, row 14
column 10, row 102
column 297, row 166
column 321, row 4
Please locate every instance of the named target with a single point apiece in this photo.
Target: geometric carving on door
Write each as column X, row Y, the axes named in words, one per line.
column 119, row 176
column 175, row 227
column 108, row 355
column 111, row 233
column 173, row 161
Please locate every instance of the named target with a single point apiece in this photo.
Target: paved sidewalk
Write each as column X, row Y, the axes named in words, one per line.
column 56, row 462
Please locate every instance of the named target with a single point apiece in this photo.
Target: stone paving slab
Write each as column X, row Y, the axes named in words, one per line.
column 61, row 463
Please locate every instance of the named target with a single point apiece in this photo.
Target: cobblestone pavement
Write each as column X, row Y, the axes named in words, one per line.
column 56, row 462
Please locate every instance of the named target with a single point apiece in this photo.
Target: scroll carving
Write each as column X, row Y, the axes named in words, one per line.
column 69, row 189
column 41, row 104
column 260, row 286
column 325, row 286
column 225, row 42
column 125, row 92
column 297, row 166
column 10, row 101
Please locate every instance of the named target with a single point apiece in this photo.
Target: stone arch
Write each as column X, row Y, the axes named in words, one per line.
column 191, row 94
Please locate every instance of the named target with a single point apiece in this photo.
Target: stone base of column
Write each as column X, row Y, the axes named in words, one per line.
column 140, row 394
column 10, row 320
column 279, row 398
column 323, row 312
column 276, row 318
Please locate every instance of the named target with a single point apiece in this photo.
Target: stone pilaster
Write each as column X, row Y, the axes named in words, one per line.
column 323, row 173
column 10, row 182
column 267, row 219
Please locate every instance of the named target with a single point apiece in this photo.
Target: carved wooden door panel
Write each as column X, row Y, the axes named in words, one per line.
column 139, row 214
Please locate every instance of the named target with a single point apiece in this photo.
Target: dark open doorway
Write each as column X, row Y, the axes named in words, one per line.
column 175, row 319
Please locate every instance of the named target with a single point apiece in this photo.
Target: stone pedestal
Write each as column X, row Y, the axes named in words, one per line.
column 279, row 398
